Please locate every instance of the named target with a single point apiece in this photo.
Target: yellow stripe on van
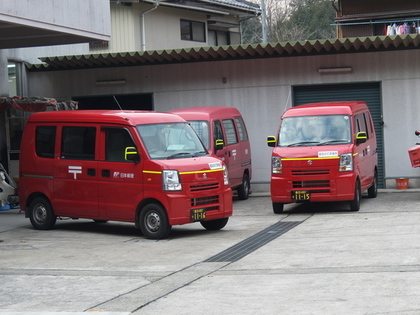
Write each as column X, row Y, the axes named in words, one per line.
column 303, row 159
column 152, row 172
column 183, row 173
column 198, row 172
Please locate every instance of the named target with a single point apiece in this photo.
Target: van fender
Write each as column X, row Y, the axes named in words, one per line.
column 36, row 191
column 151, row 196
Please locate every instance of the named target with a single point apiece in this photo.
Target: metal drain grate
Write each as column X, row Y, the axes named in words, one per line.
column 253, row 242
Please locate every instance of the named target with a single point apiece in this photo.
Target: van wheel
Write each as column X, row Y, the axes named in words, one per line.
column 154, row 222
column 373, row 190
column 355, row 203
column 215, row 225
column 41, row 214
column 278, row 207
column 243, row 190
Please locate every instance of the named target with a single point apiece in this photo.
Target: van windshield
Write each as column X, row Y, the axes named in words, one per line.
column 315, row 130
column 171, row 141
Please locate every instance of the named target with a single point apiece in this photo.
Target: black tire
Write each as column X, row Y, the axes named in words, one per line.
column 355, row 203
column 215, row 225
column 243, row 190
column 154, row 222
column 278, row 207
column 41, row 214
column 373, row 190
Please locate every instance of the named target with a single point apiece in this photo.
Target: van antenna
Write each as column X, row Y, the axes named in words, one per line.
column 116, row 102
column 288, row 100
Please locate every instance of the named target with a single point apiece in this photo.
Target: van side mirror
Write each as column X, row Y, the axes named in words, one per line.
column 271, row 141
column 219, row 144
column 131, row 154
column 361, row 137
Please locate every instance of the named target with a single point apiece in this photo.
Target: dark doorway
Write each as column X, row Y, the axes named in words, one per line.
column 121, row 101
column 369, row 92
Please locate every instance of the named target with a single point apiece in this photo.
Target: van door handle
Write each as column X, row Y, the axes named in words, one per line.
column 91, row 172
column 106, row 173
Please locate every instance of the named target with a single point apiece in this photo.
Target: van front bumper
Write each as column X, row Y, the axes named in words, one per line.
column 216, row 206
column 340, row 188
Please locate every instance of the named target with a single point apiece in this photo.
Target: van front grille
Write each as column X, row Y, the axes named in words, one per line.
column 310, row 172
column 205, row 187
column 204, row 201
column 311, row 184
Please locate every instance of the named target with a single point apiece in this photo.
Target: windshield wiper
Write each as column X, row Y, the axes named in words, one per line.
column 334, row 141
column 175, row 155
column 198, row 153
column 297, row 144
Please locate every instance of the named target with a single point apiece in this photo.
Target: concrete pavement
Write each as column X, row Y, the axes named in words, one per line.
column 330, row 261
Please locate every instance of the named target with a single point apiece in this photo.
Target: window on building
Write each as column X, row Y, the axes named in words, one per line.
column 218, row 38
column 192, row 30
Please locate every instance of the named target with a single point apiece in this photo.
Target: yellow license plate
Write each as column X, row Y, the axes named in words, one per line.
column 301, row 195
column 198, row 214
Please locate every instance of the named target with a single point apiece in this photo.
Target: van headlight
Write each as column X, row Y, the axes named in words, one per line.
column 225, row 175
column 346, row 162
column 171, row 180
column 276, row 165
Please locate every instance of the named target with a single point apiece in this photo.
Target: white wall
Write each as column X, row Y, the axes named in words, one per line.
column 260, row 90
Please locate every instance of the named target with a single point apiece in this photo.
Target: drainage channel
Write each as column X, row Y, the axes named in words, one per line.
column 253, row 242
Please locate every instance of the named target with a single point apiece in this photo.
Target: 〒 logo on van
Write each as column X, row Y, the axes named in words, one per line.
column 75, row 170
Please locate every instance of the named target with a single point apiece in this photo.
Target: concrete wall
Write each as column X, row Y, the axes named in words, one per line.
column 260, row 89
column 80, row 17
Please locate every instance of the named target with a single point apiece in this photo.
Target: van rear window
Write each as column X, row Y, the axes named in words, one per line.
column 45, row 141
column 78, row 143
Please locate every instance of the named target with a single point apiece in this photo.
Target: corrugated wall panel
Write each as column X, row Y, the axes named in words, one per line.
column 367, row 92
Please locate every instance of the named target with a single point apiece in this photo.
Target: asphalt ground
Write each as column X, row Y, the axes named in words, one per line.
column 312, row 259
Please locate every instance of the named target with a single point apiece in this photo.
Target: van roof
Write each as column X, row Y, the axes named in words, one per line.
column 131, row 118
column 326, row 108
column 205, row 112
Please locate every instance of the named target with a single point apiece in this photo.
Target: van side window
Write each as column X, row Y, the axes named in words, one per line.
column 45, row 141
column 78, row 143
column 368, row 124
column 361, row 124
column 116, row 140
column 231, row 136
column 217, row 130
column 243, row 135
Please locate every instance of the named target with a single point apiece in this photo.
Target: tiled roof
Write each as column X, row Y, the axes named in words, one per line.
column 237, row 4
column 233, row 52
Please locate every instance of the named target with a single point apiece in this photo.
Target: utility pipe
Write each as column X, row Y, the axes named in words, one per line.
column 143, row 31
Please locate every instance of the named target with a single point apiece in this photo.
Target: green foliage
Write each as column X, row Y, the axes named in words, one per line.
column 251, row 31
column 312, row 18
column 292, row 21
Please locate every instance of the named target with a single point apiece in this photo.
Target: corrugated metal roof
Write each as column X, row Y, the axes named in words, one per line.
column 235, row 52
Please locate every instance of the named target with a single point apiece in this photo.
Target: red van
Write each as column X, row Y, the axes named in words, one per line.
column 324, row 152
column 143, row 167
column 223, row 132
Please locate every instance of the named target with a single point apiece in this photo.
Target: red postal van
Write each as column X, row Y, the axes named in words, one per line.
column 223, row 132
column 324, row 152
column 144, row 167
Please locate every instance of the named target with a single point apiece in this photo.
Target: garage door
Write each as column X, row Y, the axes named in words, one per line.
column 367, row 92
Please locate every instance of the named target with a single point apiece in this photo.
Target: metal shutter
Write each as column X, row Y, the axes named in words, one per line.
column 367, row 92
